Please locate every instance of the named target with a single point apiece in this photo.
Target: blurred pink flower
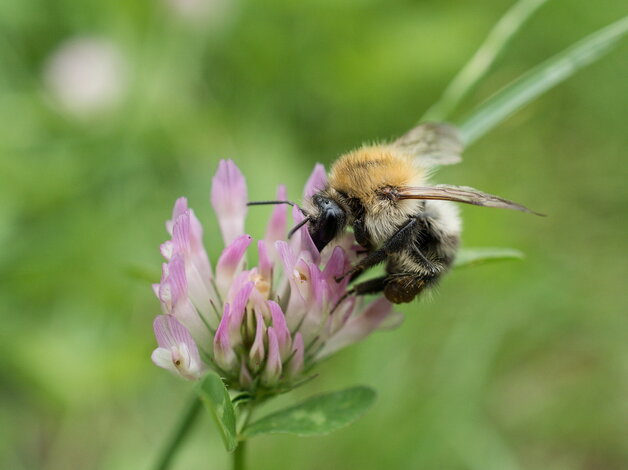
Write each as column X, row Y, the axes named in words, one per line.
column 263, row 326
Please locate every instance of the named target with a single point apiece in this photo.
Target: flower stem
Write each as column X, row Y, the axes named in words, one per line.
column 181, row 432
column 238, row 456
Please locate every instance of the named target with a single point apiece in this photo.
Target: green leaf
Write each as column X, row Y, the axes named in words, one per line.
column 475, row 256
column 540, row 79
column 483, row 59
column 216, row 398
column 317, row 415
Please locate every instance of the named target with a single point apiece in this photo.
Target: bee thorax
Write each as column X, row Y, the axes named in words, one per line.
column 384, row 218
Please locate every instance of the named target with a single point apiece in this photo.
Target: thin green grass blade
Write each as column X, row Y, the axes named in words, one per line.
column 476, row 256
column 540, row 79
column 483, row 59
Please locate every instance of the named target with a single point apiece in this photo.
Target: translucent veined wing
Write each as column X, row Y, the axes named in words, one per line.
column 432, row 144
column 465, row 194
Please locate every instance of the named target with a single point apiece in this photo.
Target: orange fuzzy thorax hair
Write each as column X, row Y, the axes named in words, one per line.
column 362, row 172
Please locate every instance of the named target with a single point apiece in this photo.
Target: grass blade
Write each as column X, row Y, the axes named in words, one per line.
column 476, row 256
column 540, row 79
column 483, row 59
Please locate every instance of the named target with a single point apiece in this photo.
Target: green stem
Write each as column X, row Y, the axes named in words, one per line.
column 483, row 59
column 240, row 451
column 238, row 456
column 185, row 425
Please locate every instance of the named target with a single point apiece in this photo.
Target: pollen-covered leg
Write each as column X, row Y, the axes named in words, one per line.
column 403, row 288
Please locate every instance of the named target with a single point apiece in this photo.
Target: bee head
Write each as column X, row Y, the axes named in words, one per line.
column 327, row 221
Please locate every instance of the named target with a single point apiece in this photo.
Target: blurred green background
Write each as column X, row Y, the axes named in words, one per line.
column 519, row 365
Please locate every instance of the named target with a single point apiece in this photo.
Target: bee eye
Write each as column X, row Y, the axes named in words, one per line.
column 328, row 223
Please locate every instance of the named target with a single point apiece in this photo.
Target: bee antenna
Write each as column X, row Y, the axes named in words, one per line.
column 267, row 203
column 298, row 226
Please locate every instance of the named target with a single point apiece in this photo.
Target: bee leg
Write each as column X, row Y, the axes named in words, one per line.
column 372, row 286
column 370, row 260
column 403, row 288
column 355, row 275
column 426, row 263
column 395, row 243
column 361, row 234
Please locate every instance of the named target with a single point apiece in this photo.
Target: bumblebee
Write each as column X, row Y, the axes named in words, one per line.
column 381, row 191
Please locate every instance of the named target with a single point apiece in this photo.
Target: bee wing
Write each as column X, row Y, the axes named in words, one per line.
column 465, row 194
column 432, row 144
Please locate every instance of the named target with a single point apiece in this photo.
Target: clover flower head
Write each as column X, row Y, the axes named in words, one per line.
column 262, row 327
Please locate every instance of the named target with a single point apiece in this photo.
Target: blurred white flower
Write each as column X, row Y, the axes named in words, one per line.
column 202, row 11
column 86, row 75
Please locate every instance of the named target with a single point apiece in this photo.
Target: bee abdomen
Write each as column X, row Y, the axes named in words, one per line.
column 404, row 288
